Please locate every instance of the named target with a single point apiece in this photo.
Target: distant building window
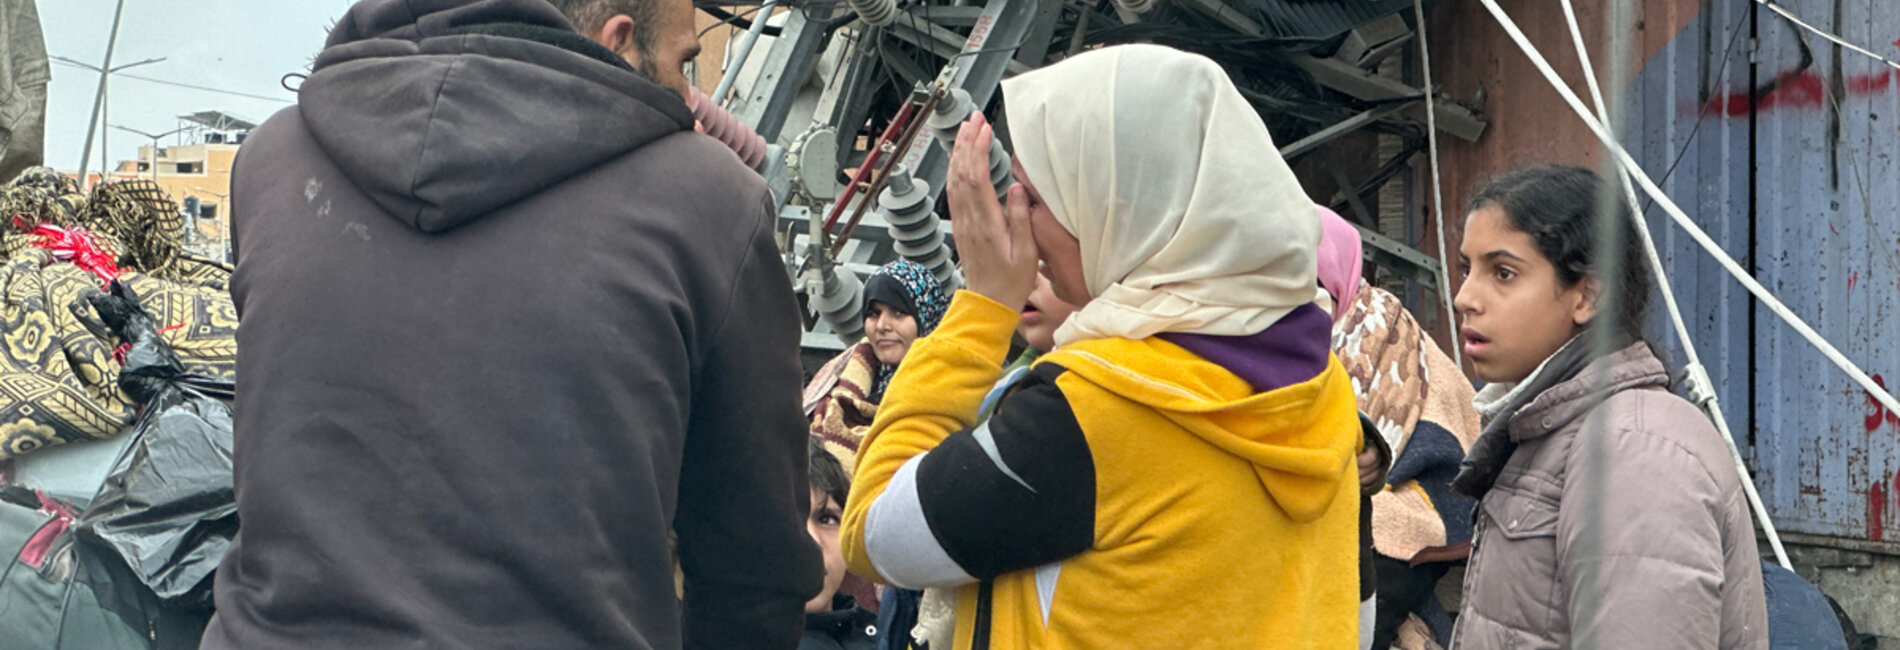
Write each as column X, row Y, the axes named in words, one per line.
column 190, row 167
column 145, row 167
column 208, row 211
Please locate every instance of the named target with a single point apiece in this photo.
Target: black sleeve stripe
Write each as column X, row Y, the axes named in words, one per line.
column 986, row 519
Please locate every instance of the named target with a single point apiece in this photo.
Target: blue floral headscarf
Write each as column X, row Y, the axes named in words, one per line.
column 910, row 289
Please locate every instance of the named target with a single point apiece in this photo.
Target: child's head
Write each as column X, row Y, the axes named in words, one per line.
column 829, row 487
column 1043, row 315
column 1532, row 268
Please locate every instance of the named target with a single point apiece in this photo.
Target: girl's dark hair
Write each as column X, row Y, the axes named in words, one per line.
column 1558, row 207
column 824, row 471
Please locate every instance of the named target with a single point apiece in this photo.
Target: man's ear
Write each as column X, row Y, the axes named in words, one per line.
column 617, row 34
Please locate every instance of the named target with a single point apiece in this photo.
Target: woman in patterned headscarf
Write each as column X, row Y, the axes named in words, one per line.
column 1414, row 527
column 902, row 303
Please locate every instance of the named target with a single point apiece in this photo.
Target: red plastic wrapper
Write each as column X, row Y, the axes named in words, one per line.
column 76, row 246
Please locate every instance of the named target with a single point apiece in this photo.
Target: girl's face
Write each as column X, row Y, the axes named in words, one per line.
column 1516, row 310
column 1044, row 314
column 891, row 332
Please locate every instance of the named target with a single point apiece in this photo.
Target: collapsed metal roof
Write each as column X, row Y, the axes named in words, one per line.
column 1319, row 18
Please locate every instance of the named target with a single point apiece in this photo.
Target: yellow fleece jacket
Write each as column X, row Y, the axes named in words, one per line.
column 1220, row 518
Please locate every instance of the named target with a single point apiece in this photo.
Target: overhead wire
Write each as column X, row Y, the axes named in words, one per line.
column 1438, row 181
column 1689, row 142
column 731, row 19
column 180, row 84
column 1840, row 117
column 738, row 20
column 1833, row 101
column 1699, row 383
column 1790, row 15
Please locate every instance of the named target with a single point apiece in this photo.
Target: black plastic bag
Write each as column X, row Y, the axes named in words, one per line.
column 168, row 507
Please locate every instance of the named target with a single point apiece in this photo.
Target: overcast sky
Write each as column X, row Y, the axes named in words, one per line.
column 243, row 46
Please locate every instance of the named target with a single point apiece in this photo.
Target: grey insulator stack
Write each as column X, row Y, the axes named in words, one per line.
column 877, row 13
column 915, row 229
column 839, row 297
column 950, row 113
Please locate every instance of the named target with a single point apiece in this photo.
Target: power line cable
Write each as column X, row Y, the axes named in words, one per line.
column 1438, row 192
column 179, row 84
column 1785, row 13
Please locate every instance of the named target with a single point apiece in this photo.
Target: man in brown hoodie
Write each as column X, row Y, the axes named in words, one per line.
column 508, row 322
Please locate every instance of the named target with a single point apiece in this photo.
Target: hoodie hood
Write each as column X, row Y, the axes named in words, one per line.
column 444, row 110
column 1300, row 438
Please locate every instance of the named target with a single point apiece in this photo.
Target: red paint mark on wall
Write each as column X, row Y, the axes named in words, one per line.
column 1852, row 280
column 1877, row 511
column 1869, row 84
column 1800, row 90
column 1876, row 411
column 1832, row 229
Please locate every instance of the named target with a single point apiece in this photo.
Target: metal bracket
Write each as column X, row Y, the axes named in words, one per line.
column 1367, row 45
column 1389, row 253
column 1344, row 127
column 787, row 67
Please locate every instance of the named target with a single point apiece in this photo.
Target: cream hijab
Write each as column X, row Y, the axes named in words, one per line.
column 1189, row 220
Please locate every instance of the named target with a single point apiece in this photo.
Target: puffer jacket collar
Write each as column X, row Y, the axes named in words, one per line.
column 1634, row 366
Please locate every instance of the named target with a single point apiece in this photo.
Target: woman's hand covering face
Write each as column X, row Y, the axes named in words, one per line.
column 995, row 243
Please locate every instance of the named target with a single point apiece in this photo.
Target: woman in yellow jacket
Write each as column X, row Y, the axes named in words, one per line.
column 1179, row 471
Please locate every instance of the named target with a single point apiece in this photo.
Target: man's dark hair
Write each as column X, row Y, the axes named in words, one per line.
column 588, row 16
column 827, row 474
column 1558, row 207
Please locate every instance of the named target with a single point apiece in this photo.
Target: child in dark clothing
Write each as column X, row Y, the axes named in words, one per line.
column 833, row 621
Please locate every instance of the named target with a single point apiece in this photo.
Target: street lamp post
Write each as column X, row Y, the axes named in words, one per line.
column 155, row 138
column 104, row 109
column 92, row 119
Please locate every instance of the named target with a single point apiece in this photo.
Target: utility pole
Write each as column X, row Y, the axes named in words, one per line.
column 155, row 138
column 99, row 98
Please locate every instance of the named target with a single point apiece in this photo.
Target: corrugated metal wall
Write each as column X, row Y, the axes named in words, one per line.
column 1699, row 155
column 1821, row 128
column 1827, row 234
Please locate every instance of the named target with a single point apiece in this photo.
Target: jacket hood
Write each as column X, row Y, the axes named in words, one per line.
column 1300, row 438
column 444, row 110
